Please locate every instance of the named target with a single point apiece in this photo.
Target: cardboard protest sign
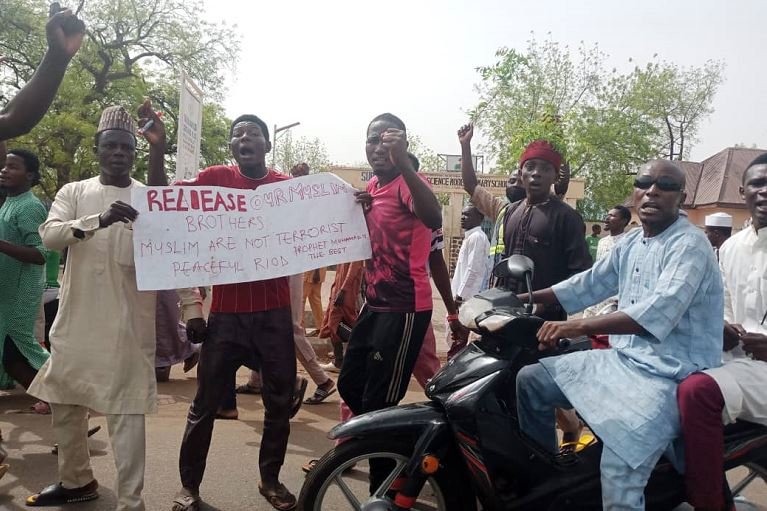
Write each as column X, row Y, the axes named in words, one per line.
column 188, row 236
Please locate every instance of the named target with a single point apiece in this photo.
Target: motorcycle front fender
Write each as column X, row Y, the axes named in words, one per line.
column 407, row 419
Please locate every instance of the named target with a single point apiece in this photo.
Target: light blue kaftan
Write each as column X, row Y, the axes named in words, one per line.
column 670, row 285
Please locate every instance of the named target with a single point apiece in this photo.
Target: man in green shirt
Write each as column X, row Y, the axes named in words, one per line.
column 22, row 257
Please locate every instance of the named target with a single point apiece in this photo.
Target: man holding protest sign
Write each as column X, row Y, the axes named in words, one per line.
column 106, row 366
column 250, row 324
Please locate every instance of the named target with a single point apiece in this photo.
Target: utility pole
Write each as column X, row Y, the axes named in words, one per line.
column 276, row 137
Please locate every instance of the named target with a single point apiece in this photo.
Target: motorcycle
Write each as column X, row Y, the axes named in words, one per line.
column 464, row 447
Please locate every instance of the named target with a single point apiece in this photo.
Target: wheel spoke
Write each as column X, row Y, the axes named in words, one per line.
column 347, row 492
column 389, row 479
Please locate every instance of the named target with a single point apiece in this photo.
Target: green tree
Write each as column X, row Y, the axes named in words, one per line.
column 605, row 123
column 290, row 152
column 430, row 161
column 677, row 99
column 132, row 50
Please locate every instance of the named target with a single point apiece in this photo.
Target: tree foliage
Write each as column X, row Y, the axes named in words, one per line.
column 605, row 123
column 430, row 161
column 133, row 49
column 290, row 152
column 677, row 99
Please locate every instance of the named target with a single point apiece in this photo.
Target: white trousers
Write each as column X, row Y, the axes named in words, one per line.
column 304, row 351
column 127, row 433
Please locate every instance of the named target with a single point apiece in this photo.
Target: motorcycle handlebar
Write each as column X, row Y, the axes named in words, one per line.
column 564, row 343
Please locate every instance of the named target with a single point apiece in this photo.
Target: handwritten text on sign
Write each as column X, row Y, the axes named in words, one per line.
column 195, row 236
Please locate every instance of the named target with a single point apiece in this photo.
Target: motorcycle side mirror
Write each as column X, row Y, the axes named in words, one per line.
column 518, row 267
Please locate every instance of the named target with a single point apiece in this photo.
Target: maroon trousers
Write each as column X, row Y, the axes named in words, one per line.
column 700, row 407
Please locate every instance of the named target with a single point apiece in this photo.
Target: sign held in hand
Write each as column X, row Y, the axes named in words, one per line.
column 188, row 236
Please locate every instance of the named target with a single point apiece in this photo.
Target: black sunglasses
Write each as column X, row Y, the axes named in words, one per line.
column 664, row 183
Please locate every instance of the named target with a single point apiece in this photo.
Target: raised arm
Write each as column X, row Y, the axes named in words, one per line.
column 26, row 109
column 152, row 129
column 425, row 204
column 468, row 173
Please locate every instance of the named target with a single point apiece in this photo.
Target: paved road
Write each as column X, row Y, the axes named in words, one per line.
column 231, row 477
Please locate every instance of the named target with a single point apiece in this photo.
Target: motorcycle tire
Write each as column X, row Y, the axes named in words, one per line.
column 448, row 479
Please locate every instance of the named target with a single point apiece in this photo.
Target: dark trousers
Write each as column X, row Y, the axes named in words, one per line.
column 383, row 348
column 700, row 409
column 379, row 361
column 16, row 365
column 257, row 340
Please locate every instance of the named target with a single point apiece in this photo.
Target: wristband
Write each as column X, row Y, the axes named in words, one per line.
column 452, row 317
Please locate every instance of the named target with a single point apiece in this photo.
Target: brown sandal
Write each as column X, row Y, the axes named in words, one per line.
column 278, row 496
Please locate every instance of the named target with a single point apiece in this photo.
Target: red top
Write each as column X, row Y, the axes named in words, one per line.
column 255, row 296
column 397, row 276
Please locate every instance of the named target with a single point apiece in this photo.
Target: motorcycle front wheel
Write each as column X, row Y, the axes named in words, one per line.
column 340, row 481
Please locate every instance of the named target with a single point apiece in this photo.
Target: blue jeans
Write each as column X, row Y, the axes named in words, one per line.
column 537, row 397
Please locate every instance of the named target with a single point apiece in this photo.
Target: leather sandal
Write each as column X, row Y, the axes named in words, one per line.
column 278, row 496
column 185, row 501
column 57, row 495
column 320, row 395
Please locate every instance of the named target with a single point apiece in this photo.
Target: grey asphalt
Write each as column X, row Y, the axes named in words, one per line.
column 231, row 477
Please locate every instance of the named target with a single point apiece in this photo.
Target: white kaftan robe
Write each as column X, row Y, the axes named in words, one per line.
column 103, row 338
column 742, row 380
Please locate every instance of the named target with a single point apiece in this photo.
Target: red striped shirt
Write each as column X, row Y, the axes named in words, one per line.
column 243, row 297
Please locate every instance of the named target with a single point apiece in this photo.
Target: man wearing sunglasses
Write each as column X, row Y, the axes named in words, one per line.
column 668, row 326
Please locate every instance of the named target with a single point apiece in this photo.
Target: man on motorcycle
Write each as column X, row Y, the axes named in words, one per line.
column 737, row 389
column 668, row 325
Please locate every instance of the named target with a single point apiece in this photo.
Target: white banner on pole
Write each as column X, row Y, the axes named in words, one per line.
column 188, row 236
column 189, row 129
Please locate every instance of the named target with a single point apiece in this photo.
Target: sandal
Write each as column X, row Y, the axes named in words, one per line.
column 312, row 464
column 57, row 495
column 247, row 388
column 186, row 502
column 278, row 496
column 320, row 395
column 298, row 395
column 577, row 446
column 309, row 466
column 4, row 470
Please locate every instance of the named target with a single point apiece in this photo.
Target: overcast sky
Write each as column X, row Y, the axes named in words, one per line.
column 333, row 65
